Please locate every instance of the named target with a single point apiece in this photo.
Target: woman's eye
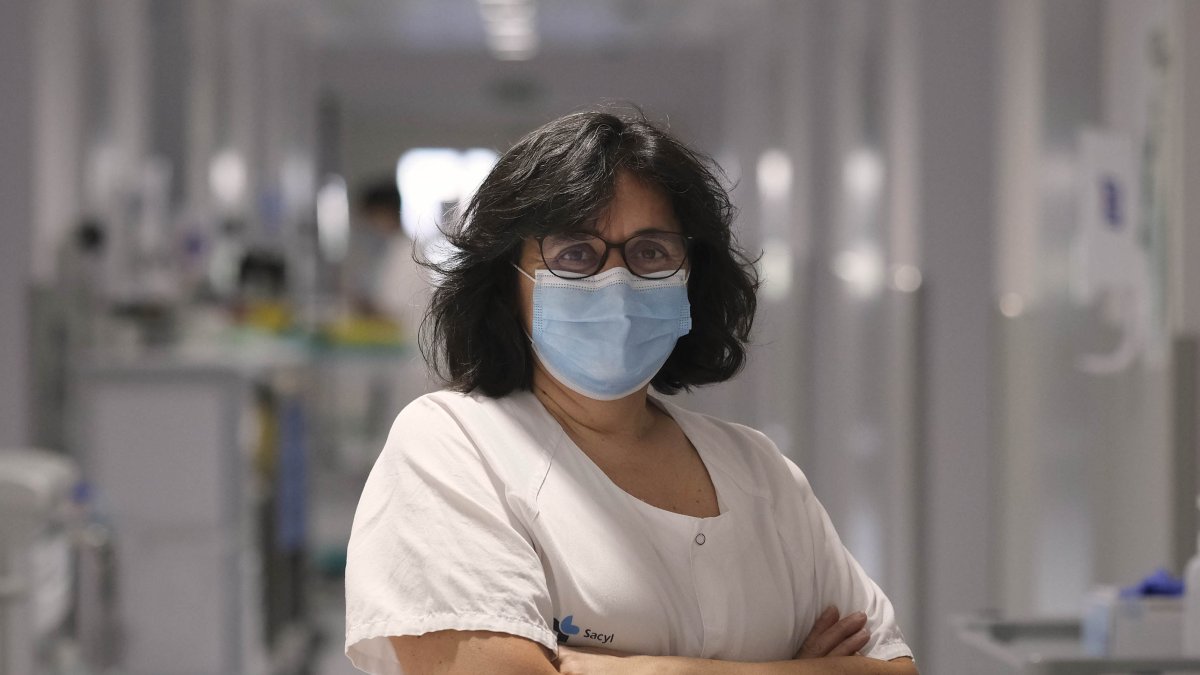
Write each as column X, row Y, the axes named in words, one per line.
column 577, row 253
column 647, row 251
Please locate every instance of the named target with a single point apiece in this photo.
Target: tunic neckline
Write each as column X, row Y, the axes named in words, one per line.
column 564, row 440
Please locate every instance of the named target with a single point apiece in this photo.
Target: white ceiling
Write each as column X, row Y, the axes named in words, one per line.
column 563, row 25
column 407, row 73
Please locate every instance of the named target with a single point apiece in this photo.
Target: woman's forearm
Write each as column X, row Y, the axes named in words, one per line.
column 840, row 665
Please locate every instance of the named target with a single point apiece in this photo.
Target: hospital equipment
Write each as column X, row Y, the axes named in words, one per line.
column 1191, row 602
column 35, row 555
column 1049, row 647
column 200, row 463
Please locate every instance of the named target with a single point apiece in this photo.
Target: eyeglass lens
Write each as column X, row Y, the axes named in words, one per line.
column 579, row 254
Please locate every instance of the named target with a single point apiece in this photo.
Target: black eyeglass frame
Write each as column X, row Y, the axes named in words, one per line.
column 609, row 246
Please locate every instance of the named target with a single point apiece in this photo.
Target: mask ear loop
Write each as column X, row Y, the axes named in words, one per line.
column 526, row 274
column 518, row 268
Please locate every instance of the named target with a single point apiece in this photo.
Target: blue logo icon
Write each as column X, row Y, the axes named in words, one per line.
column 568, row 627
column 565, row 629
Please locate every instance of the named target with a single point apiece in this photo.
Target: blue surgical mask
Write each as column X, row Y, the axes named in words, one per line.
column 606, row 336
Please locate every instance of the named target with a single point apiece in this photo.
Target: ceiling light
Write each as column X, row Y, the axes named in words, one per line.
column 511, row 28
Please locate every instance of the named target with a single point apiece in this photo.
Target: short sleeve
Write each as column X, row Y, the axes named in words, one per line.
column 437, row 544
column 842, row 582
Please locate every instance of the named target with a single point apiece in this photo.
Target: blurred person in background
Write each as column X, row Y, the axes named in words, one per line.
column 548, row 512
column 381, row 278
column 386, row 292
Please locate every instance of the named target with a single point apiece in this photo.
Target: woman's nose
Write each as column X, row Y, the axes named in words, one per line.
column 616, row 258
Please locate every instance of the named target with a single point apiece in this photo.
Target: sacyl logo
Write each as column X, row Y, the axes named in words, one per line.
column 566, row 628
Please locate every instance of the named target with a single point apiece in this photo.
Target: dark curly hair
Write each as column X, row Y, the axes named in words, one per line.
column 560, row 178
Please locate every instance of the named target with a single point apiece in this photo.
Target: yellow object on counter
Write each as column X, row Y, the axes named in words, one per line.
column 269, row 316
column 365, row 331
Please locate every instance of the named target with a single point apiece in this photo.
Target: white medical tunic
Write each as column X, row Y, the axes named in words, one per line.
column 482, row 514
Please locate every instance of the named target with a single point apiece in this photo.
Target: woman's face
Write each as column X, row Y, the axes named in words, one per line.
column 635, row 207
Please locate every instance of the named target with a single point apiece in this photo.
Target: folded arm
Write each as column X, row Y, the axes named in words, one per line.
column 830, row 649
column 449, row 652
column 453, row 652
column 835, row 665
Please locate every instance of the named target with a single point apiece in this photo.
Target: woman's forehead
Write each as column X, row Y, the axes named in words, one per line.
column 635, row 207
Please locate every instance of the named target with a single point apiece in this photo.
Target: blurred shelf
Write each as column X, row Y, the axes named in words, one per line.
column 1051, row 646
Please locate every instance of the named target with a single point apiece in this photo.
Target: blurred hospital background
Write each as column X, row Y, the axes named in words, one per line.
column 979, row 330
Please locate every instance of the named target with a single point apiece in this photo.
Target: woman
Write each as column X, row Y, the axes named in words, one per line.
column 548, row 513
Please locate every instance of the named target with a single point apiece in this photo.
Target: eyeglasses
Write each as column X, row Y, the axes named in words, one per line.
column 650, row 255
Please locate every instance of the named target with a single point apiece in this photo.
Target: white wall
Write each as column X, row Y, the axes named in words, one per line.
column 958, row 104
column 1187, row 311
column 59, row 112
column 745, row 100
column 1189, row 196
column 859, row 436
column 17, row 29
column 1088, row 487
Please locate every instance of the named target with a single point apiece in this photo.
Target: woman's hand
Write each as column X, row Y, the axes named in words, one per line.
column 835, row 636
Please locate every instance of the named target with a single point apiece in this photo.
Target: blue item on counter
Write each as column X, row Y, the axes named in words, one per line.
column 82, row 493
column 1160, row 583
